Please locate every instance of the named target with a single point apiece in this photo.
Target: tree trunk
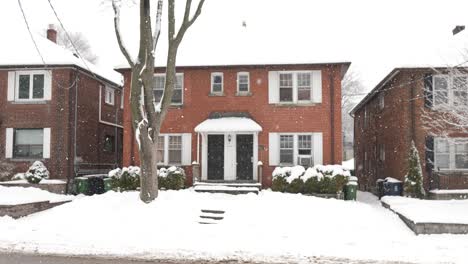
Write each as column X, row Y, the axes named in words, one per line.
column 149, row 175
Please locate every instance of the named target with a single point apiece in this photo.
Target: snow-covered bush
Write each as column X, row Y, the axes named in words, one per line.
column 413, row 185
column 324, row 179
column 5, row 170
column 172, row 178
column 35, row 173
column 125, row 179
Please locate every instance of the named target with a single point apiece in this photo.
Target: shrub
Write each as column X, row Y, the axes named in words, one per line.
column 172, row 178
column 279, row 184
column 35, row 173
column 126, row 179
column 296, row 186
column 5, row 170
column 312, row 185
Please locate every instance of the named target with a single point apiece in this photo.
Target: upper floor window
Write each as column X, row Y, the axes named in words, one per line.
column 217, row 82
column 286, row 87
column 159, row 82
column 295, row 86
column 109, row 96
column 243, row 82
column 450, row 90
column 451, row 153
column 31, row 85
column 28, row 143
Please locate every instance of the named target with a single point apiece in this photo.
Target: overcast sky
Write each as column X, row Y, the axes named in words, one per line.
column 376, row 36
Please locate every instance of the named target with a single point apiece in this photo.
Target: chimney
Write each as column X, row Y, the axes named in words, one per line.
column 52, row 33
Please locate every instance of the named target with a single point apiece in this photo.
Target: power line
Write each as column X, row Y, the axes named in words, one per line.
column 30, row 33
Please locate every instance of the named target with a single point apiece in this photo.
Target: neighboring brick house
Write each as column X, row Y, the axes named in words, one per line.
column 406, row 106
column 66, row 113
column 230, row 117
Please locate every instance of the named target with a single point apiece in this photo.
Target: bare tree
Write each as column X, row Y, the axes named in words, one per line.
column 352, row 93
column 81, row 43
column 148, row 115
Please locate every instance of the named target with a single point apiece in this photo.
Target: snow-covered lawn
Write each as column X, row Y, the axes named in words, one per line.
column 269, row 227
column 21, row 195
column 430, row 211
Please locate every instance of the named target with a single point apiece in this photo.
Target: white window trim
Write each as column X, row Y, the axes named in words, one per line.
column 214, row 74
column 166, row 149
column 452, row 153
column 182, row 88
column 238, row 83
column 450, row 89
column 111, row 91
column 295, row 95
column 30, row 73
column 295, row 148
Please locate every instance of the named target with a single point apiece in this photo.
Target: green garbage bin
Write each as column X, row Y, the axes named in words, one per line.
column 81, row 185
column 350, row 191
column 108, row 186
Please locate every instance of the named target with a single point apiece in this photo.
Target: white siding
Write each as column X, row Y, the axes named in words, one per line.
column 186, row 149
column 273, row 149
column 318, row 148
column 9, row 143
column 11, row 85
column 273, row 87
column 316, row 86
column 46, row 153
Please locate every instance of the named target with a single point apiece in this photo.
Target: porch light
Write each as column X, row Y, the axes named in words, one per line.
column 229, row 138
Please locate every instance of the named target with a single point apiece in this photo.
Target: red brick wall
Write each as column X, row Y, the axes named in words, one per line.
column 59, row 115
column 198, row 105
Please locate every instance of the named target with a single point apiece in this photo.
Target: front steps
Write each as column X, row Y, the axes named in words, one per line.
column 209, row 217
column 228, row 187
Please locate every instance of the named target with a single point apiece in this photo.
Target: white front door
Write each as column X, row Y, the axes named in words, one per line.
column 230, row 157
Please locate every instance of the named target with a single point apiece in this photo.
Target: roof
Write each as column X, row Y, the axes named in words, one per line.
column 20, row 51
column 390, row 76
column 228, row 124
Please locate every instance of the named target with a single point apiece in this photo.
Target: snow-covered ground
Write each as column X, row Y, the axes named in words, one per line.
column 430, row 211
column 268, row 227
column 21, row 195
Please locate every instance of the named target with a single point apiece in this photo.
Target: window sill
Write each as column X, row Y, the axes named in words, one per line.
column 29, row 102
column 26, row 159
column 217, row 94
column 292, row 104
column 176, row 106
column 109, row 104
column 243, row 94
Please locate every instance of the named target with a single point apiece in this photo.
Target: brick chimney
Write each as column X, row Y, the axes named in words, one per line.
column 52, row 33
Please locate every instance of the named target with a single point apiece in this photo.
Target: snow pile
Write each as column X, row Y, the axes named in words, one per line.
column 21, row 195
column 132, row 171
column 318, row 171
column 348, row 164
column 249, row 231
column 429, row 211
column 289, row 173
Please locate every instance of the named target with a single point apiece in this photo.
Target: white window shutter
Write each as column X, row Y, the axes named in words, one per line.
column 186, row 149
column 46, row 143
column 273, row 87
column 11, row 85
column 318, row 148
column 316, row 86
column 273, row 149
column 48, row 86
column 9, row 143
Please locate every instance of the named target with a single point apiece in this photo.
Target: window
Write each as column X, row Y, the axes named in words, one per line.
column 381, row 101
column 31, row 85
column 243, row 82
column 28, row 143
column 304, row 150
column 296, row 148
column 451, row 154
column 175, row 149
column 217, row 82
column 159, row 82
column 304, row 87
column 286, row 149
column 109, row 96
column 286, row 87
column 109, row 143
column 450, row 90
column 161, row 143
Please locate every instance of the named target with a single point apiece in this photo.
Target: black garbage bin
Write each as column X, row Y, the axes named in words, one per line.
column 95, row 185
column 393, row 188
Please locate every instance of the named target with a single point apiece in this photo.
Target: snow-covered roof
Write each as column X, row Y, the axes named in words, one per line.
column 228, row 124
column 19, row 50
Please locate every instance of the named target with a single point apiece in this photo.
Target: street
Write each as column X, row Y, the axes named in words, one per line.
column 18, row 258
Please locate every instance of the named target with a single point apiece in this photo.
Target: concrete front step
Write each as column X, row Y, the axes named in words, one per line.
column 228, row 187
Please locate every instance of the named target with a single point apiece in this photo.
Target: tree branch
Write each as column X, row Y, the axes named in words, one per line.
column 157, row 27
column 187, row 23
column 119, row 35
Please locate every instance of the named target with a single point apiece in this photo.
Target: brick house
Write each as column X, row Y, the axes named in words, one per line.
column 67, row 112
column 406, row 106
column 230, row 117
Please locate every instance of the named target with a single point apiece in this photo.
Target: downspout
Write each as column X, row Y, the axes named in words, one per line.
column 332, row 117
column 412, row 110
column 198, row 148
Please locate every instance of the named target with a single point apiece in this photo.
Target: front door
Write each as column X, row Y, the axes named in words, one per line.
column 244, row 153
column 215, row 157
